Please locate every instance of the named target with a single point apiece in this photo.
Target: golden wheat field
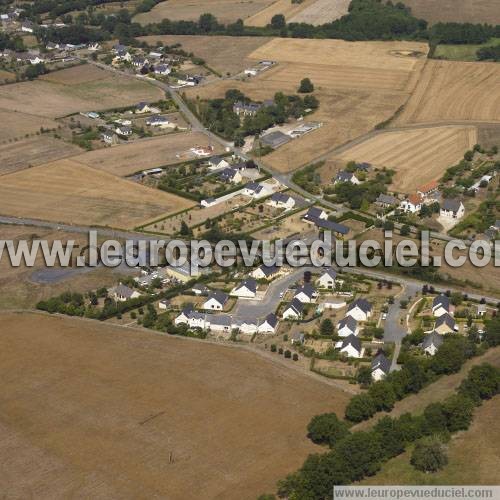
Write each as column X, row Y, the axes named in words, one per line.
column 455, row 91
column 285, row 7
column 70, row 192
column 418, row 156
column 321, row 12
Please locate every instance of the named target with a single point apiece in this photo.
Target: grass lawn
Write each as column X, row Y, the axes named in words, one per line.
column 462, row 52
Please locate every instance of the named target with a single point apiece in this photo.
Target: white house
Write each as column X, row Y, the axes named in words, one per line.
column 440, row 305
column 281, row 200
column 256, row 190
column 293, row 310
column 162, row 69
column 159, row 121
column 230, row 175
column 264, row 272
column 193, row 319
column 143, row 107
column 248, row 326
column 123, row 131
column 164, row 304
column 327, row 279
column 269, row 324
column 93, row 46
column 28, row 27
column 306, row 294
column 360, row 310
column 344, row 176
column 216, row 301
column 217, row 163
column 452, row 209
column 220, row 323
column 431, row 343
column 315, row 213
column 121, row 293
column 351, row 346
column 247, row 289
column 381, row 367
column 412, row 204
column 347, row 326
column 445, row 324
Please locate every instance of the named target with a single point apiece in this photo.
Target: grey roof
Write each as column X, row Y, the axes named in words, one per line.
column 348, row 321
column 441, row 300
column 249, row 283
column 161, row 67
column 228, row 174
column 331, row 272
column 297, row 305
column 381, row 362
column 219, row 296
column 451, row 205
column 307, row 288
column 313, row 213
column 352, row 340
column 220, row 319
column 142, row 105
column 280, row 197
column 364, row 166
column 215, row 160
column 432, row 339
column 271, row 319
column 201, row 288
column 445, row 319
column 254, row 186
column 330, row 225
column 363, row 304
column 123, row 290
column 344, row 176
column 191, row 314
column 275, row 139
column 268, row 270
column 386, row 199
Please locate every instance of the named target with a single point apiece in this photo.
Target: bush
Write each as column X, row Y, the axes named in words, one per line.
column 288, row 354
column 295, row 357
column 306, row 86
column 361, row 407
column 429, row 455
column 327, row 429
column 273, row 347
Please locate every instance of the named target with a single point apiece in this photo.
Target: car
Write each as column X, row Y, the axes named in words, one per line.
column 384, row 315
column 282, row 294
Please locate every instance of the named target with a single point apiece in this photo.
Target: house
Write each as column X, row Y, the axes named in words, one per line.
column 344, row 176
column 216, row 301
column 256, row 190
column 440, row 305
column 181, row 273
column 200, row 290
column 274, row 139
column 360, row 310
column 193, row 319
column 230, row 175
column 139, row 61
column 162, row 69
column 281, row 200
column 313, row 214
column 381, row 367
column 208, row 202
column 412, row 204
column 431, row 343
column 93, row 46
column 294, row 310
column 164, row 304
column 269, row 324
column 216, row 163
column 246, row 109
column 445, row 324
column 119, row 48
column 123, row 55
column 334, row 227
column 251, row 72
column 28, row 27
column 453, row 209
column 481, row 310
column 351, row 346
column 264, row 272
column 347, row 326
column 483, row 182
column 327, row 279
column 121, row 293
column 306, row 294
column 123, row 130
column 386, row 200
column 297, row 338
column 51, row 46
column 143, row 107
column 158, row 121
column 247, row 289
column 248, row 326
column 428, row 189
column 109, row 137
column 221, row 323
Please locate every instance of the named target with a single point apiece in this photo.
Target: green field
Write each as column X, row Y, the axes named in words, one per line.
column 462, row 52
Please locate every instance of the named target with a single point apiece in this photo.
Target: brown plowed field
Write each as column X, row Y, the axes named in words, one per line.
column 90, row 410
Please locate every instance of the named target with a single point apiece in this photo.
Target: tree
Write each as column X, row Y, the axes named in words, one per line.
column 492, row 335
column 184, row 230
column 278, row 22
column 383, row 395
column 326, row 327
column 306, row 86
column 450, row 356
column 364, row 376
column 405, row 230
column 483, row 382
column 288, row 354
column 429, row 455
column 327, row 429
column 360, row 407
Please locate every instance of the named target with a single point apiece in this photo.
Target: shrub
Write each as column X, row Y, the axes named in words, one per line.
column 327, row 429
column 429, row 455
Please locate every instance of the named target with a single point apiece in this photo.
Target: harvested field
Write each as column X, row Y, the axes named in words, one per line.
column 418, row 156
column 285, row 7
column 149, row 420
column 226, row 11
column 358, row 84
column 76, row 75
column 48, row 99
column 222, row 53
column 450, row 90
column 321, row 12
column 34, row 151
column 6, row 76
column 489, row 136
column 14, row 125
column 70, row 192
column 130, row 158
column 460, row 11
